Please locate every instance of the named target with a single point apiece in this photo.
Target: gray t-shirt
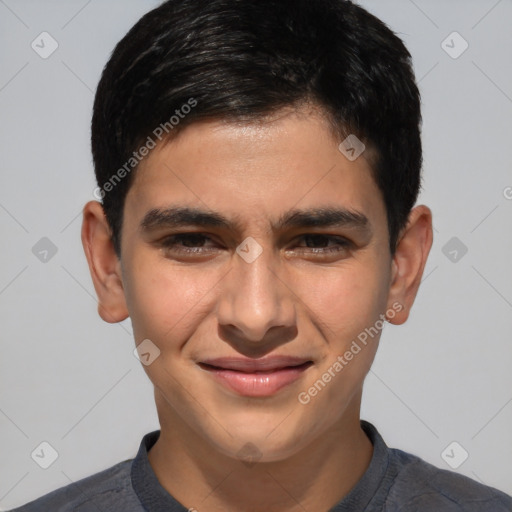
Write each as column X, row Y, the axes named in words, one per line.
column 395, row 481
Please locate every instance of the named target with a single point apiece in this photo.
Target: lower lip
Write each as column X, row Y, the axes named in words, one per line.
column 260, row 384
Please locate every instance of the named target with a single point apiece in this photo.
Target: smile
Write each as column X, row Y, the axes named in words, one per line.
column 256, row 378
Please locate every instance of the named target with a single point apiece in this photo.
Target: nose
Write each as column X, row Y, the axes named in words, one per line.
column 256, row 305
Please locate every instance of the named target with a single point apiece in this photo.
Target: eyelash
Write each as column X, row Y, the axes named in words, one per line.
column 170, row 244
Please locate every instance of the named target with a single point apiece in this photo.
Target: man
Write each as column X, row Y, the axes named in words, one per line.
column 258, row 164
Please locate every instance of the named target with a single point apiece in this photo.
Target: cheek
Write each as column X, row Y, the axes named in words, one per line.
column 346, row 307
column 162, row 299
column 345, row 300
column 167, row 302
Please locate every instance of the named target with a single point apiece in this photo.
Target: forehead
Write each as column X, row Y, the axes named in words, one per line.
column 255, row 172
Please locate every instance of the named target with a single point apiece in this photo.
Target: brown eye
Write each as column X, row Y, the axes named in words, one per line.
column 187, row 243
column 320, row 243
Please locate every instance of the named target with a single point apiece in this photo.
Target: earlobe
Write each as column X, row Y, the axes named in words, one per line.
column 104, row 265
column 409, row 262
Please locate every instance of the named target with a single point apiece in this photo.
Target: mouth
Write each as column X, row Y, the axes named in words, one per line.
column 256, row 377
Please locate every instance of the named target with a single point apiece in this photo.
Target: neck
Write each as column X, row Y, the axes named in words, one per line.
column 316, row 478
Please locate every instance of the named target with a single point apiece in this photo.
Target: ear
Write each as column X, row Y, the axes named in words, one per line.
column 104, row 264
column 409, row 261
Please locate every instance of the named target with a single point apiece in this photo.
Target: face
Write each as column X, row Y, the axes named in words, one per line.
column 255, row 258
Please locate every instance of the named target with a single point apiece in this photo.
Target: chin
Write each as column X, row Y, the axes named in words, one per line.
column 260, row 441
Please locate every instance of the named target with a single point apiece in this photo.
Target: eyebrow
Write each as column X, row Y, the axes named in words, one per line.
column 325, row 217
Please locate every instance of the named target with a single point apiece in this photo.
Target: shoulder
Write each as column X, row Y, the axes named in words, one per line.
column 420, row 486
column 109, row 489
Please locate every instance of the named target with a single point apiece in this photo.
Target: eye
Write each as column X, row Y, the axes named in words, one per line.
column 187, row 243
column 198, row 244
column 319, row 244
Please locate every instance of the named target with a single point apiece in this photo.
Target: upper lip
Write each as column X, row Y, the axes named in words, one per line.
column 244, row 364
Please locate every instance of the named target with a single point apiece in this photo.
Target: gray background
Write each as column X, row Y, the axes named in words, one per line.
column 72, row 380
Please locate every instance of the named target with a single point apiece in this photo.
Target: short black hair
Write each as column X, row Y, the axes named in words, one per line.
column 192, row 60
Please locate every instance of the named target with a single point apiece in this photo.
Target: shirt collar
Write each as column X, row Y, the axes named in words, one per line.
column 151, row 494
column 374, row 484
column 155, row 498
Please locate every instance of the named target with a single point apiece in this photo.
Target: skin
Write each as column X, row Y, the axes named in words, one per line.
column 292, row 300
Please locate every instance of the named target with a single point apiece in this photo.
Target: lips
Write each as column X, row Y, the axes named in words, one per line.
column 256, row 377
column 247, row 365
